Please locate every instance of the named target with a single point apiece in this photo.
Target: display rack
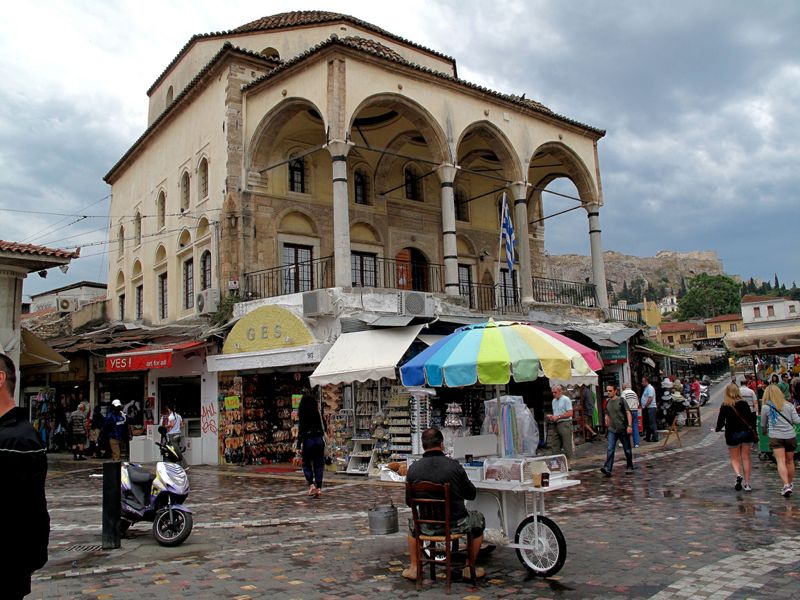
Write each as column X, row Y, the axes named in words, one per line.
column 367, row 403
column 398, row 413
column 362, row 456
column 420, row 416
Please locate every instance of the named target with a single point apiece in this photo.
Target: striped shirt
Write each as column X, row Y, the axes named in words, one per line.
column 631, row 399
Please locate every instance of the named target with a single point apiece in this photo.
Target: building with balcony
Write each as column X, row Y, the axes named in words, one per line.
column 681, row 334
column 769, row 311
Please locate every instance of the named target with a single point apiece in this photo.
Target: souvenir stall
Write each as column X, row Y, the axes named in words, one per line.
column 511, row 481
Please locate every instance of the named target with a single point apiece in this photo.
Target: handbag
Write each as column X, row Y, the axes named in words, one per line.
column 751, row 431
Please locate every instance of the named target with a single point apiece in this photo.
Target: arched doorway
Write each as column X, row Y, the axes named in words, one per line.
column 412, row 270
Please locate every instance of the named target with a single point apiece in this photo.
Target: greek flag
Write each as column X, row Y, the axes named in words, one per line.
column 507, row 238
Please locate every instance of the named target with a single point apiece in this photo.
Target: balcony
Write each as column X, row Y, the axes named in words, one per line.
column 623, row 314
column 289, row 279
column 558, row 291
column 390, row 273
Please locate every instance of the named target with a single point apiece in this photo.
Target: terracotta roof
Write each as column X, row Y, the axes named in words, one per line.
column 119, row 337
column 38, row 250
column 356, row 43
column 755, row 298
column 297, row 18
column 374, row 47
column 682, row 326
column 37, row 313
column 226, row 48
column 724, row 318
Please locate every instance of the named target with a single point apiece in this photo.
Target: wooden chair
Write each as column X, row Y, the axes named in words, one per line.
column 430, row 506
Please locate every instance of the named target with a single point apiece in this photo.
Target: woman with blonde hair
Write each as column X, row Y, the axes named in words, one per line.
column 740, row 433
column 778, row 418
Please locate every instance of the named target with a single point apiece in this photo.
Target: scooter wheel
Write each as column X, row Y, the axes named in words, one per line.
column 124, row 526
column 172, row 532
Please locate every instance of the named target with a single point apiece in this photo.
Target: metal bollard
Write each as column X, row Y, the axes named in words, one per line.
column 112, row 504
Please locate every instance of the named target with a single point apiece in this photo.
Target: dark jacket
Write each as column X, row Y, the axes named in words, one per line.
column 435, row 467
column 115, row 426
column 732, row 423
column 309, row 422
column 23, row 506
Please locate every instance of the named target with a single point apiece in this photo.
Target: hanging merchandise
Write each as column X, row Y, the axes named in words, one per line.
column 513, row 424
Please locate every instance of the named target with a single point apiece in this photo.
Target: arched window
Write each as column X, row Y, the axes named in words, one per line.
column 121, row 240
column 188, row 284
column 297, row 175
column 202, row 180
column 185, row 191
column 360, row 187
column 412, row 183
column 205, row 270
column 462, row 205
column 271, row 52
column 170, row 94
column 137, row 228
column 161, row 210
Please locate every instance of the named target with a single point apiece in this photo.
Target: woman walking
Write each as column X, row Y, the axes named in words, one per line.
column 740, row 433
column 311, row 444
column 778, row 418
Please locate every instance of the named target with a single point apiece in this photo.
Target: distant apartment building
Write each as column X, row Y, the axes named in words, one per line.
column 681, row 334
column 717, row 327
column 769, row 311
column 668, row 304
column 68, row 298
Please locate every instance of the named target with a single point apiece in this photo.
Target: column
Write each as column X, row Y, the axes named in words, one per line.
column 447, row 174
column 10, row 307
column 341, row 215
column 598, row 264
column 519, row 192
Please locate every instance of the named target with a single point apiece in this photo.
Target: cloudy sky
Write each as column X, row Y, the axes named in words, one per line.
column 701, row 102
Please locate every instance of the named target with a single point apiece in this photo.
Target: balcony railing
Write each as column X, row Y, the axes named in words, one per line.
column 289, row 279
column 397, row 274
column 624, row 314
column 557, row 291
column 491, row 298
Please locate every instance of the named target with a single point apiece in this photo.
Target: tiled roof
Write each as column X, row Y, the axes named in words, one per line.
column 682, row 326
column 357, row 44
column 297, row 18
column 374, row 47
column 725, row 318
column 755, row 298
column 38, row 250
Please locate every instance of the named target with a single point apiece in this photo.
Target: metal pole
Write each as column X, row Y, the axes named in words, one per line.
column 112, row 504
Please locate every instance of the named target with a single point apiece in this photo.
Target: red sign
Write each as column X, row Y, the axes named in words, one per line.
column 139, row 362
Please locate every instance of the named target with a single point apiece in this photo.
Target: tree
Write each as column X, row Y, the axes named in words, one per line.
column 777, row 285
column 708, row 296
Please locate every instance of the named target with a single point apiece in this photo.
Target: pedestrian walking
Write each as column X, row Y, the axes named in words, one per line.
column 311, row 444
column 174, row 431
column 562, row 419
column 619, row 426
column 739, row 423
column 77, row 432
column 23, row 505
column 116, row 429
column 587, row 401
column 748, row 395
column 649, row 411
column 632, row 400
column 778, row 418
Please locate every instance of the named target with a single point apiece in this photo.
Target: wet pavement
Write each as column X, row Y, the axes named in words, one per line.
column 673, row 529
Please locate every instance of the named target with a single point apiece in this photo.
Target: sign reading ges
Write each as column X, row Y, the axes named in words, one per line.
column 267, row 328
column 140, row 362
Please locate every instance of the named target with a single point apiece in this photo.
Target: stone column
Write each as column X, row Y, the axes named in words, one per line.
column 519, row 191
column 598, row 264
column 447, row 174
column 341, row 215
column 11, row 307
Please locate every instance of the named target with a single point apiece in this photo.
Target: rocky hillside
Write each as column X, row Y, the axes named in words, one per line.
column 664, row 270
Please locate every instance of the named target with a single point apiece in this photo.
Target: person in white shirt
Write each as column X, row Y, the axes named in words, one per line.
column 174, row 422
column 748, row 395
column 649, row 411
column 632, row 400
column 562, row 419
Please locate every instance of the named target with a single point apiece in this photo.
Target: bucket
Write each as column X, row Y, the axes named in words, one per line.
column 383, row 519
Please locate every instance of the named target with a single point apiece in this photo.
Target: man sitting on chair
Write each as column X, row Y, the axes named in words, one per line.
column 435, row 467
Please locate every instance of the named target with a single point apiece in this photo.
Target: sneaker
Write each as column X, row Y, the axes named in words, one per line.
column 738, row 486
column 636, row 445
column 629, row 470
column 605, row 471
column 787, row 490
column 747, row 488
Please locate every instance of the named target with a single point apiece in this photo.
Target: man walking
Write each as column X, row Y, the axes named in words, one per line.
column 562, row 419
column 649, row 411
column 77, row 432
column 618, row 423
column 748, row 395
column 116, row 425
column 632, row 400
column 23, row 506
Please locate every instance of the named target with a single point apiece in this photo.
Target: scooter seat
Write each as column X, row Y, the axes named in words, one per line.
column 140, row 476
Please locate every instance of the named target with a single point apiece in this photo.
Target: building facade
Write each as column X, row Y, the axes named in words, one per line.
column 769, row 311
column 717, row 327
column 681, row 334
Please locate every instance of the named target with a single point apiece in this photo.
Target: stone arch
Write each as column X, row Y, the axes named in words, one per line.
column 388, row 160
column 571, row 167
column 496, row 141
column 363, row 232
column 184, row 240
column 465, row 246
column 120, row 279
column 160, row 254
column 136, row 271
column 202, row 227
column 296, row 220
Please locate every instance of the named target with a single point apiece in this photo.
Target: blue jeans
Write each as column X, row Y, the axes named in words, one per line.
column 650, row 429
column 314, row 460
column 635, row 434
column 612, row 448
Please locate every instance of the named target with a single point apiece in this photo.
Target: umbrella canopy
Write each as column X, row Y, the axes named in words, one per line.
column 494, row 353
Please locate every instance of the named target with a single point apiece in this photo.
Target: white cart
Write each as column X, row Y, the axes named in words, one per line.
column 517, row 509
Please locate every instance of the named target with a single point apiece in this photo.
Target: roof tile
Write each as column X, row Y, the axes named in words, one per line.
column 38, row 250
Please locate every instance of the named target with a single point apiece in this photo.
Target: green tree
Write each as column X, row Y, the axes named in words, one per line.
column 777, row 285
column 708, row 296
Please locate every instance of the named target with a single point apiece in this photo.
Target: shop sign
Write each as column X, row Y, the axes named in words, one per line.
column 231, row 402
column 139, row 362
column 267, row 328
column 616, row 355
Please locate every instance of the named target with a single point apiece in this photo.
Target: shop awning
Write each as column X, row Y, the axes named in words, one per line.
column 767, row 340
column 429, row 339
column 646, row 350
column 37, row 353
column 365, row 355
column 148, row 357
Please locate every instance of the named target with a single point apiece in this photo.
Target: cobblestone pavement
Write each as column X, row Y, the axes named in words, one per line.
column 674, row 529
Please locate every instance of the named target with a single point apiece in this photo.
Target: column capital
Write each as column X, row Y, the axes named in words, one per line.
column 519, row 189
column 592, row 208
column 447, row 172
column 338, row 148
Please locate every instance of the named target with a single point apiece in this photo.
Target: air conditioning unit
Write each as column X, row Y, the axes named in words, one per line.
column 415, row 304
column 317, row 304
column 66, row 304
column 207, row 301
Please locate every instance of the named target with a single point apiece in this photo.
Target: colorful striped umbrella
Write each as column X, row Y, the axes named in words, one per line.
column 495, row 353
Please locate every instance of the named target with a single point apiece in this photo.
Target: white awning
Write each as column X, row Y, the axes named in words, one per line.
column 365, row 355
column 429, row 339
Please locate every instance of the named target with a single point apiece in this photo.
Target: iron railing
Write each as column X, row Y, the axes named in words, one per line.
column 624, row 314
column 485, row 297
column 557, row 291
column 397, row 274
column 289, row 279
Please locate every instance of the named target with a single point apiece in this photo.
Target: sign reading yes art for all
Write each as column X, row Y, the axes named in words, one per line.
column 267, row 328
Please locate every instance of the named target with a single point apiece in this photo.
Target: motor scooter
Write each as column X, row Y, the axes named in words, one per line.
column 704, row 393
column 158, row 497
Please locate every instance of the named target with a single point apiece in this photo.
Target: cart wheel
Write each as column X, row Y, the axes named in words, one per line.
column 549, row 551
